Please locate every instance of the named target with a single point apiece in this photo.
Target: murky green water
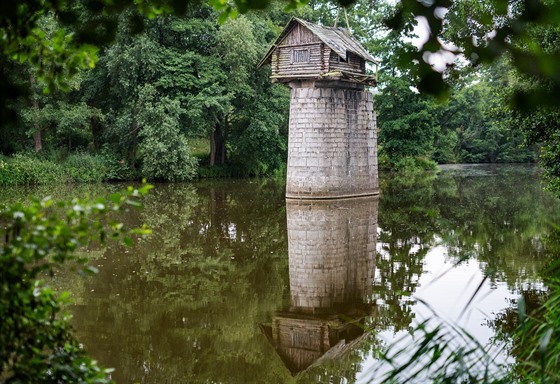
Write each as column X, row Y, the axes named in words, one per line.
column 238, row 286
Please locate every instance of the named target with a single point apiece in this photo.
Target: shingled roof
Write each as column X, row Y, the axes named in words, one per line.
column 338, row 39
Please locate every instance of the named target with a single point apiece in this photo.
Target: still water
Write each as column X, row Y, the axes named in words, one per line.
column 236, row 285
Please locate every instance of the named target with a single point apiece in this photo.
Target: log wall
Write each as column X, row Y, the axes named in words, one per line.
column 354, row 64
column 283, row 62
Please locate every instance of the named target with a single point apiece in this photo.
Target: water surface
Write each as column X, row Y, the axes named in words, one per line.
column 236, row 285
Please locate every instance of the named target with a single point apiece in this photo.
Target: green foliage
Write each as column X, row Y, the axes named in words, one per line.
column 85, row 168
column 164, row 150
column 529, row 323
column 550, row 159
column 213, row 63
column 474, row 126
column 67, row 124
column 261, row 148
column 407, row 122
column 198, row 78
column 24, row 169
column 79, row 167
column 526, row 35
column 116, row 168
column 485, row 32
column 203, row 76
column 492, row 219
column 36, row 343
column 406, row 166
column 408, row 127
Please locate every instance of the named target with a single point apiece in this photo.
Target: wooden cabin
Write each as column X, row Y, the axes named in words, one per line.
column 307, row 51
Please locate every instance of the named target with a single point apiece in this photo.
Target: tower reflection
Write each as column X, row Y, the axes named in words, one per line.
column 331, row 246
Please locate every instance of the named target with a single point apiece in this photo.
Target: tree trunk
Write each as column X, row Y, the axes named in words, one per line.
column 96, row 129
column 38, row 141
column 212, row 150
column 218, row 145
column 223, row 149
column 133, row 146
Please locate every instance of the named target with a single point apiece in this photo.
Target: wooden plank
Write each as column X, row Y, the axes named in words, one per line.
column 321, row 53
column 300, row 45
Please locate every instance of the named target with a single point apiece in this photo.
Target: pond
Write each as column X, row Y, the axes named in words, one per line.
column 238, row 285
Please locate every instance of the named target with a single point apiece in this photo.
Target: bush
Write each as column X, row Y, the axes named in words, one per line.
column 406, row 165
column 164, row 151
column 85, row 168
column 116, row 168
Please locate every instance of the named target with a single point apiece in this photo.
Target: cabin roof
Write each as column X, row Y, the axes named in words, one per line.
column 338, row 39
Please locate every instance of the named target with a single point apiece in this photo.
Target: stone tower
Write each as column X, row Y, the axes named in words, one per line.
column 332, row 144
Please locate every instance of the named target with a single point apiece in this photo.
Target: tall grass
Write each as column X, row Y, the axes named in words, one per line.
column 31, row 169
column 443, row 352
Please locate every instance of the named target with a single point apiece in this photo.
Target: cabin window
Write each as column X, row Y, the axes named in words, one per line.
column 338, row 59
column 300, row 56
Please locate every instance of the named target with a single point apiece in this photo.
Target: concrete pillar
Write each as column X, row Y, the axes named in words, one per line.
column 332, row 145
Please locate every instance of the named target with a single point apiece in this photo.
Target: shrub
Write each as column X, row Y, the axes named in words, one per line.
column 85, row 168
column 407, row 165
column 164, row 150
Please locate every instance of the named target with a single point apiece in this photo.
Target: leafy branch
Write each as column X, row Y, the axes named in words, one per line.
column 36, row 343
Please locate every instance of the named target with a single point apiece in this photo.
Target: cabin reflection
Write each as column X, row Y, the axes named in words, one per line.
column 331, row 246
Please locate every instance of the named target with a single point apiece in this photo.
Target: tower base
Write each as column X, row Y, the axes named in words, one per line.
column 332, row 145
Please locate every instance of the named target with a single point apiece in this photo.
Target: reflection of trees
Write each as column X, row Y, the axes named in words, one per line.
column 500, row 217
column 407, row 223
column 183, row 305
column 506, row 326
column 541, row 310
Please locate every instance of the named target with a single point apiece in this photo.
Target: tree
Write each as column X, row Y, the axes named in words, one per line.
column 407, row 122
column 164, row 150
column 524, row 33
column 209, row 72
column 258, row 120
